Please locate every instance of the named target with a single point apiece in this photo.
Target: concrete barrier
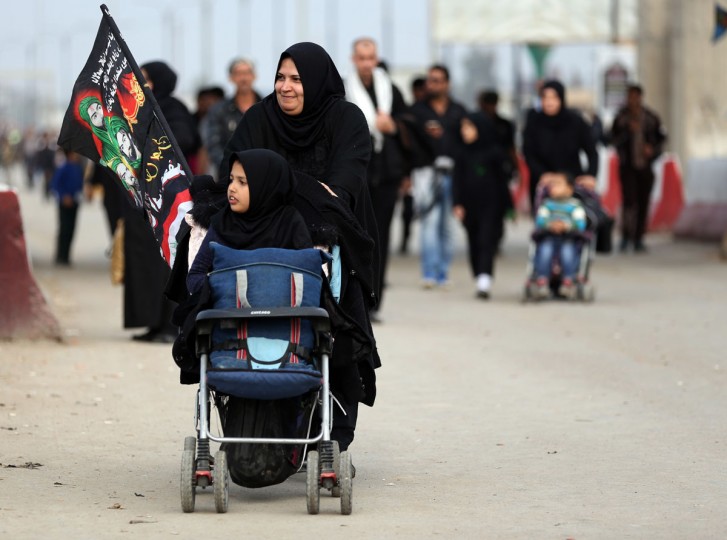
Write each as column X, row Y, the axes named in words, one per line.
column 668, row 198
column 24, row 312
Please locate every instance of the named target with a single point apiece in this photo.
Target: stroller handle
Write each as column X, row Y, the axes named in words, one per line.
column 318, row 316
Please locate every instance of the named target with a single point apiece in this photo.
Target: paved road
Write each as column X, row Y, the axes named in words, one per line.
column 494, row 419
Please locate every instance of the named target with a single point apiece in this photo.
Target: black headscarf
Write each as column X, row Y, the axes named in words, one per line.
column 322, row 87
column 162, row 77
column 560, row 117
column 271, row 220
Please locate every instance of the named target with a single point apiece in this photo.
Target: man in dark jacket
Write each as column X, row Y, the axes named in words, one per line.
column 222, row 119
column 380, row 100
column 638, row 136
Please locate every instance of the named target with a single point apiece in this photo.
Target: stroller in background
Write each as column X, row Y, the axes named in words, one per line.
column 263, row 353
column 586, row 243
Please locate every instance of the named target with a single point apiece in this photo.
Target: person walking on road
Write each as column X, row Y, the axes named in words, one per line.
column 639, row 137
column 554, row 137
column 436, row 124
column 370, row 87
column 327, row 143
column 67, row 185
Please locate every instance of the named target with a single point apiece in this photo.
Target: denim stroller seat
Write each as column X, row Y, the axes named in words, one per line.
column 263, row 358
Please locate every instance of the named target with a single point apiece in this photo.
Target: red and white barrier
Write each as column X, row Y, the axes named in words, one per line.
column 25, row 312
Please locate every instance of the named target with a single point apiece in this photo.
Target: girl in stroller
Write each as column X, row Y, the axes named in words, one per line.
column 259, row 214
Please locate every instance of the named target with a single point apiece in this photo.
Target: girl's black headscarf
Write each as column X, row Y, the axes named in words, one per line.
column 271, row 220
column 322, row 87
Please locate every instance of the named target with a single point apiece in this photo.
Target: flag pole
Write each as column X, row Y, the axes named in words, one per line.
column 147, row 91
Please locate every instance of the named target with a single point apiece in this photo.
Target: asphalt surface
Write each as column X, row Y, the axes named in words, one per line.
column 494, row 419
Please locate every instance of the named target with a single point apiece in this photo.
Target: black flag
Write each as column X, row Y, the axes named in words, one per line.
column 113, row 119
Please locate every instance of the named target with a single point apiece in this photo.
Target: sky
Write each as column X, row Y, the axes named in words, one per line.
column 48, row 41
column 45, row 43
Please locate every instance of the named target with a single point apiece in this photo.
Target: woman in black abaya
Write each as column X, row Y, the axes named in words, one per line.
column 554, row 137
column 326, row 141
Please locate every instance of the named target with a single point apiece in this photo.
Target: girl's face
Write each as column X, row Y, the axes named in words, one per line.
column 289, row 88
column 550, row 102
column 238, row 192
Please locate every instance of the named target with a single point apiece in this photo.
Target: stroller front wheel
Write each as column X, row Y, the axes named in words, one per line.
column 312, row 483
column 187, row 480
column 221, row 481
column 346, row 483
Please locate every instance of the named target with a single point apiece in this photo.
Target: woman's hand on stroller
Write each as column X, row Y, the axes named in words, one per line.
column 459, row 212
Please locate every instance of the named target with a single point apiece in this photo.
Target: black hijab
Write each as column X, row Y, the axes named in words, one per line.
column 271, row 220
column 559, row 119
column 162, row 77
column 322, row 87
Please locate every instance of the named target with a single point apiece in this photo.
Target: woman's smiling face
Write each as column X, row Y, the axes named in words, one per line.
column 289, row 88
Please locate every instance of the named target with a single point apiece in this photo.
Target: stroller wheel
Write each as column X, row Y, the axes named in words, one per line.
column 589, row 292
column 186, row 483
column 527, row 293
column 190, row 443
column 336, row 490
column 221, row 481
column 345, row 480
column 312, row 483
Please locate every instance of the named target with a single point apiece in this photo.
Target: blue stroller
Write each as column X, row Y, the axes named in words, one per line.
column 263, row 353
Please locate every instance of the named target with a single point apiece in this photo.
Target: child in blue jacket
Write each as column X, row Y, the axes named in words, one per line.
column 558, row 220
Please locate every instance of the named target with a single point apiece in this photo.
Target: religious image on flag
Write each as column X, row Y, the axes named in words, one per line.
column 114, row 120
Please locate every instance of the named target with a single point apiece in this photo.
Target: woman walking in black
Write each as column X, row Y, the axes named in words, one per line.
column 554, row 138
column 326, row 141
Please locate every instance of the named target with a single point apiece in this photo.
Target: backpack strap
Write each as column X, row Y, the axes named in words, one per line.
column 241, row 279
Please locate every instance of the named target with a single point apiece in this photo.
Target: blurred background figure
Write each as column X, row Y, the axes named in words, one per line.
column 67, row 186
column 225, row 115
column 436, row 122
column 371, row 89
column 554, row 137
column 638, row 136
column 207, row 97
column 506, row 163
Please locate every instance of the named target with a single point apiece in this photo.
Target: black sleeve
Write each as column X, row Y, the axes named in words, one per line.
column 588, row 145
column 530, row 151
column 183, row 126
column 350, row 150
column 398, row 105
column 247, row 135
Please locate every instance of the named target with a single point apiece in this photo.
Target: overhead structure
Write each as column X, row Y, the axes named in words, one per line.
column 534, row 21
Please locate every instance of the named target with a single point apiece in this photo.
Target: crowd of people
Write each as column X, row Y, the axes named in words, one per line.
column 431, row 157
column 323, row 161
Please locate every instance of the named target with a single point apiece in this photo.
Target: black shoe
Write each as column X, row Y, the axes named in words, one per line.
column 640, row 248
column 155, row 336
column 146, row 336
column 484, row 295
column 624, row 245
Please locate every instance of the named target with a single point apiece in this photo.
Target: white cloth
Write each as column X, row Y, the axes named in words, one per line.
column 196, row 236
column 356, row 93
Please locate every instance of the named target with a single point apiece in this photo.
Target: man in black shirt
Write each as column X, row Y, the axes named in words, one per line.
column 439, row 128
